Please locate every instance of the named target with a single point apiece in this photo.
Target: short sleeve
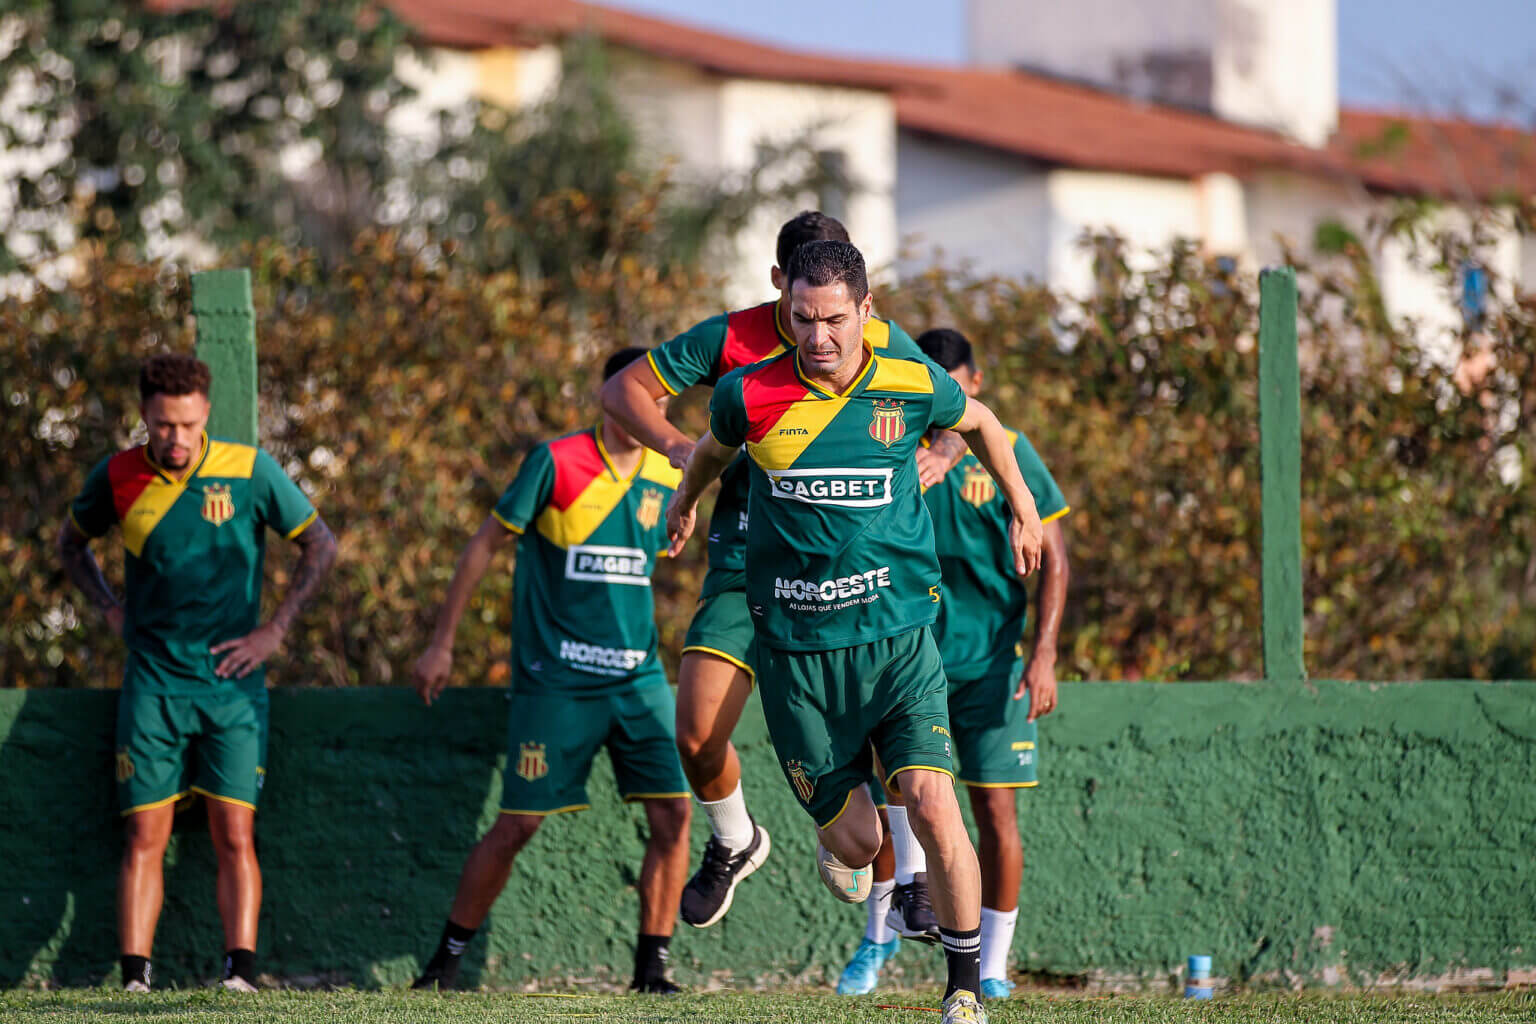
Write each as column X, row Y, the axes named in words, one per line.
column 529, row 491
column 1049, row 501
column 279, row 502
column 93, row 511
column 728, row 411
column 949, row 401
column 691, row 357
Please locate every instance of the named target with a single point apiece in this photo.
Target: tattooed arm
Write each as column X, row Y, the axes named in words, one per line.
column 243, row 655
column 81, row 567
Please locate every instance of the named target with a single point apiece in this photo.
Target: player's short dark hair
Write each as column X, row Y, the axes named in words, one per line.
column 947, row 347
column 819, row 264
column 173, row 373
column 622, row 358
column 807, row 226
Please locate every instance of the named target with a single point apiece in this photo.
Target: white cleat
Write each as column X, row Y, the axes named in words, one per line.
column 851, row 885
column 135, row 986
column 963, row 1007
column 236, row 984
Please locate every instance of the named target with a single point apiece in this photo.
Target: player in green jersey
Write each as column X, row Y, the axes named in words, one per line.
column 586, row 512
column 842, row 583
column 192, row 714
column 715, row 677
column 980, row 632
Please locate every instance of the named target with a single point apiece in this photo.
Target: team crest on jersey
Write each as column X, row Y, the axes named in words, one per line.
column 804, row 787
column 532, row 765
column 978, row 488
column 649, row 512
column 124, row 765
column 218, row 505
column 890, row 422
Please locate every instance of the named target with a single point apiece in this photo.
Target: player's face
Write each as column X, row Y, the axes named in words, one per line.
column 828, row 326
column 968, row 379
column 176, row 424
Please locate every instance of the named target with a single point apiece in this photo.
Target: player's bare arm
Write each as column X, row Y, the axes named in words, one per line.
column 631, row 396
column 989, row 442
column 944, row 450
column 82, row 569
column 705, row 465
column 1039, row 678
column 431, row 672
column 243, row 655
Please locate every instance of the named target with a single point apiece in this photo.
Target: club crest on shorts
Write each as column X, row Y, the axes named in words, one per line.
column 532, row 765
column 978, row 488
column 889, row 424
column 649, row 512
column 218, row 506
column 804, row 787
column 124, row 765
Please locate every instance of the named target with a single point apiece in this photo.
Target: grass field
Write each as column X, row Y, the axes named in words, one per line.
column 345, row 1007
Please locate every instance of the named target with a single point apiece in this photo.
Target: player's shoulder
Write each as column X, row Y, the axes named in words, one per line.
column 579, row 446
column 658, row 469
column 877, row 331
column 901, row 374
column 771, row 368
column 233, row 460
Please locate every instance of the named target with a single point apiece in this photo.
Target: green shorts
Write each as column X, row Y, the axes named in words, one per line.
column 170, row 745
column 553, row 738
column 994, row 743
column 826, row 708
column 721, row 625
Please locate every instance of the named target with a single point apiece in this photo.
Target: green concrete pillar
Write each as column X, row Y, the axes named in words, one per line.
column 226, row 341
column 1280, row 471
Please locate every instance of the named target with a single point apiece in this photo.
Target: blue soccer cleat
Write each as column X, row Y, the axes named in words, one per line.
column 863, row 971
column 996, row 988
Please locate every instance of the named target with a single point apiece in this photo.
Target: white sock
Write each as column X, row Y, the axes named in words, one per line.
column 729, row 819
column 910, row 858
column 877, row 931
column 996, row 939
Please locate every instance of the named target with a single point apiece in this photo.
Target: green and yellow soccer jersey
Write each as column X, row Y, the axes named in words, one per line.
column 194, row 551
column 583, row 621
column 710, row 350
column 841, row 547
column 985, row 603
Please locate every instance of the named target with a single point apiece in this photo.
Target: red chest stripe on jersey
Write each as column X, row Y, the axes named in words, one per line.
column 129, row 473
column 768, row 394
column 751, row 335
column 577, row 464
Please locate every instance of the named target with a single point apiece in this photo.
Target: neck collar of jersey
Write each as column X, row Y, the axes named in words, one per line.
column 822, row 391
column 192, row 469
column 780, row 311
column 613, row 471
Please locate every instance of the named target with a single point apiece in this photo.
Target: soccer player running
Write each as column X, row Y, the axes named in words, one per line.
column 715, row 675
column 842, row 583
column 586, row 510
column 980, row 632
column 192, row 713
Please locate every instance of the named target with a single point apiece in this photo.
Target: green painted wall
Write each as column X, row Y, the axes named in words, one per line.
column 1373, row 828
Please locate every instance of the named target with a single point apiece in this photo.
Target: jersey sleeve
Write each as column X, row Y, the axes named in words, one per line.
column 691, row 357
column 1049, row 501
column 279, row 502
column 728, row 411
column 93, row 511
column 949, row 400
column 529, row 491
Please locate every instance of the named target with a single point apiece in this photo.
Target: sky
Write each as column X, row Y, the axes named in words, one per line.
column 1446, row 55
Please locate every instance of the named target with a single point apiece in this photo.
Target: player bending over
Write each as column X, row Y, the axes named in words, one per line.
column 842, row 583
column 586, row 512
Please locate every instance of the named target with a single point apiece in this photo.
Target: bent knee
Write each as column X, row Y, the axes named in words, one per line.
column 669, row 818
column 698, row 744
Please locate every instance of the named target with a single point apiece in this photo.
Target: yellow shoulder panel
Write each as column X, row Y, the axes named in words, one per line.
column 658, row 468
column 1013, row 436
column 877, row 332
column 901, row 375
column 227, row 459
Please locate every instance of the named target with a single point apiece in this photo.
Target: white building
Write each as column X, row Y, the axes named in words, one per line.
column 1216, row 120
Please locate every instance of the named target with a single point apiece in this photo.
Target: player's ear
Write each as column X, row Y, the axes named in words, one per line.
column 867, row 307
column 777, row 277
column 977, row 379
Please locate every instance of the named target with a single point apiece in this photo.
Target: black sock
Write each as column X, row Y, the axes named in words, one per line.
column 135, row 968
column 240, row 963
column 962, row 955
column 651, row 956
column 450, row 948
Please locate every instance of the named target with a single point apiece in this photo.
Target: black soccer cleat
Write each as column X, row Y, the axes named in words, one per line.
column 655, row 987
column 437, row 977
column 911, row 914
column 708, row 894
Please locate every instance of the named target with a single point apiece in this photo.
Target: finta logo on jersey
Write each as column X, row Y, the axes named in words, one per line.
column 600, row 564
column 829, row 595
column 845, row 488
column 605, row 660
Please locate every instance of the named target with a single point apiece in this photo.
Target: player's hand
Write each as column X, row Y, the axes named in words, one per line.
column 431, row 672
column 115, row 619
column 930, row 467
column 679, row 453
column 1039, row 680
column 1027, row 540
column 680, row 522
column 246, row 654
